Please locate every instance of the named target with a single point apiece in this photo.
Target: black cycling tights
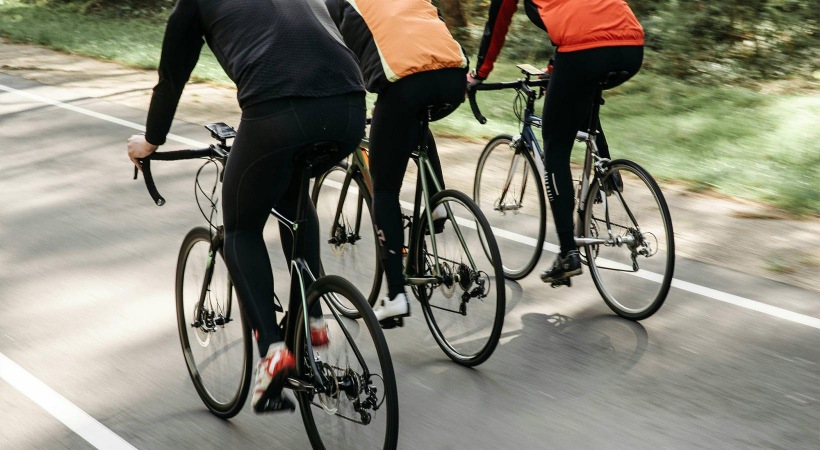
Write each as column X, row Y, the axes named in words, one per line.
column 260, row 176
column 394, row 134
column 575, row 78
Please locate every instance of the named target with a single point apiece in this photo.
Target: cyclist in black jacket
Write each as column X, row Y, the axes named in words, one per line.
column 293, row 91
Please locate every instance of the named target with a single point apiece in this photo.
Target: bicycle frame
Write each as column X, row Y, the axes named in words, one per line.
column 425, row 169
column 360, row 163
column 593, row 163
column 301, row 277
column 299, row 273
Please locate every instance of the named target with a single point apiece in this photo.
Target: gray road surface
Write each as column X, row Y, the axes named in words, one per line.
column 86, row 301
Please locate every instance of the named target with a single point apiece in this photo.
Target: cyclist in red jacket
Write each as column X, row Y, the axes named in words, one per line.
column 592, row 38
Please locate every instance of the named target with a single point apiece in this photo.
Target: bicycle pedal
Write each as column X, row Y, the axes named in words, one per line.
column 392, row 322
column 565, row 282
column 438, row 226
column 279, row 404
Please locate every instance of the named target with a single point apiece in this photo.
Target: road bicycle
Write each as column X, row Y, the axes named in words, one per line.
column 347, row 390
column 623, row 228
column 455, row 274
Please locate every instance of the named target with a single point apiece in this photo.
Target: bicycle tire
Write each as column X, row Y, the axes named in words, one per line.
column 613, row 268
column 324, row 414
column 463, row 342
column 361, row 257
column 218, row 351
column 520, row 253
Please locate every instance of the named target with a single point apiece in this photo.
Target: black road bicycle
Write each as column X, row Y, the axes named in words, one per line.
column 347, row 390
column 455, row 274
column 623, row 227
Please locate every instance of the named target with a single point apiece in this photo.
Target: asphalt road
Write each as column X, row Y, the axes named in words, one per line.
column 89, row 354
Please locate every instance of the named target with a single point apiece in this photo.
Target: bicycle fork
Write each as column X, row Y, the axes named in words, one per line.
column 208, row 320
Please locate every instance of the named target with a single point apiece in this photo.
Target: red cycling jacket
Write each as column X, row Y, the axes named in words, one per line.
column 573, row 25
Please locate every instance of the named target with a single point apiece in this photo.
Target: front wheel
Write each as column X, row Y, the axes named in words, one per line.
column 215, row 338
column 633, row 270
column 465, row 305
column 509, row 191
column 358, row 407
column 349, row 244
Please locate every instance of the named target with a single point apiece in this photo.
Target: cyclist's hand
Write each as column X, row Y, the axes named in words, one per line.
column 473, row 81
column 138, row 147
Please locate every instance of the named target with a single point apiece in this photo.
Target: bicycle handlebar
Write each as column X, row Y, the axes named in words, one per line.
column 175, row 155
column 518, row 84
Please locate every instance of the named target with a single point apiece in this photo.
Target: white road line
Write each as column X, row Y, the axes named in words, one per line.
column 66, row 412
column 96, row 115
column 714, row 294
column 506, row 234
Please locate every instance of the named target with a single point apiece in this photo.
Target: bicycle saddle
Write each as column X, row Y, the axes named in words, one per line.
column 321, row 156
column 613, row 79
column 436, row 112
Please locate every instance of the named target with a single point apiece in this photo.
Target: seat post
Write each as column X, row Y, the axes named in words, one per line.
column 303, row 170
column 597, row 101
column 312, row 155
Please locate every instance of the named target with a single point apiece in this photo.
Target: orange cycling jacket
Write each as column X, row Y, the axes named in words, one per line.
column 573, row 25
column 394, row 39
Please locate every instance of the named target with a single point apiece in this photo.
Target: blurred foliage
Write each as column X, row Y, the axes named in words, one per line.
column 709, row 42
column 706, row 41
column 702, row 124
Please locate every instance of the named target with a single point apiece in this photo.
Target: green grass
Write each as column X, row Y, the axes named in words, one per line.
column 134, row 41
column 724, row 138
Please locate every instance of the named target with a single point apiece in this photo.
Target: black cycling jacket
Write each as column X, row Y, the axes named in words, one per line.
column 270, row 48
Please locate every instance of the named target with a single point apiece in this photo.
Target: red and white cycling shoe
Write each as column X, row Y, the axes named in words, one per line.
column 272, row 373
column 319, row 336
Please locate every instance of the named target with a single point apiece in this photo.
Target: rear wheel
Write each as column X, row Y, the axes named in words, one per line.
column 464, row 308
column 349, row 243
column 509, row 191
column 633, row 272
column 215, row 338
column 359, row 408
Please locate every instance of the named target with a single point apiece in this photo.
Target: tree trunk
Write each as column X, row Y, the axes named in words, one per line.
column 456, row 21
column 452, row 12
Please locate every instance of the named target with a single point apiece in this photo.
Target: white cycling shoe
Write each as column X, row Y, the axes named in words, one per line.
column 439, row 218
column 440, row 212
column 391, row 312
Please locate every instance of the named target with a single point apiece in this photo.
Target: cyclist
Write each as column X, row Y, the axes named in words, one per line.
column 592, row 38
column 408, row 58
column 293, row 92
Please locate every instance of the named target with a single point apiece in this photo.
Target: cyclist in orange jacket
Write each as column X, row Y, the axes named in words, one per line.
column 592, row 38
column 409, row 58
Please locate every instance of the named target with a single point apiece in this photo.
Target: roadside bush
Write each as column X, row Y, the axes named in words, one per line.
column 701, row 41
column 122, row 8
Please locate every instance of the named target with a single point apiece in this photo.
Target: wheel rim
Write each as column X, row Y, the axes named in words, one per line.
column 465, row 327
column 517, row 216
column 331, row 418
column 215, row 351
column 633, row 294
column 352, row 252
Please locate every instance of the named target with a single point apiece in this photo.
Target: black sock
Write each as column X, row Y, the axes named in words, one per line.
column 569, row 238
